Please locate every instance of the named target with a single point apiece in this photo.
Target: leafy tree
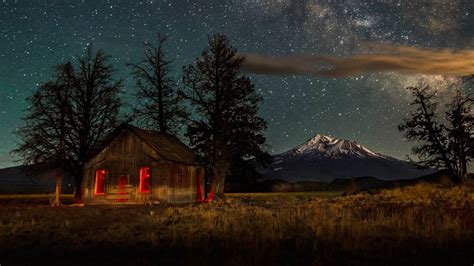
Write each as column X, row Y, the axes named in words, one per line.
column 158, row 104
column 225, row 125
column 70, row 116
column 444, row 143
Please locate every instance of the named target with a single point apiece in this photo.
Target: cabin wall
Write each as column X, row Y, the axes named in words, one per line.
column 170, row 182
column 174, row 182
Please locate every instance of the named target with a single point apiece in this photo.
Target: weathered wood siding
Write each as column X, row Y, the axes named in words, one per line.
column 125, row 155
column 174, row 182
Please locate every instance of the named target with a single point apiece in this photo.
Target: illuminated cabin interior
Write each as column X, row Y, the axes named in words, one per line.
column 137, row 166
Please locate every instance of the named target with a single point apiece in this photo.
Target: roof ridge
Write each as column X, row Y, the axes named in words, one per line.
column 137, row 132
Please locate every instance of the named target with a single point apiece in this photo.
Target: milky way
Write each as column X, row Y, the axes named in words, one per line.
column 365, row 106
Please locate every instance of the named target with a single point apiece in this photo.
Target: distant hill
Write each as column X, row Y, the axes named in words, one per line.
column 347, row 185
column 19, row 180
column 325, row 158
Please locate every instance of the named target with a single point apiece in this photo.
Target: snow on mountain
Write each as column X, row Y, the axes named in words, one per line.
column 327, row 146
column 325, row 158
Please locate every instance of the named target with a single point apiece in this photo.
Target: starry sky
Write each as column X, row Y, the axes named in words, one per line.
column 365, row 107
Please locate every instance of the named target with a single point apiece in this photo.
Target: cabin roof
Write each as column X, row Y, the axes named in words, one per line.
column 167, row 146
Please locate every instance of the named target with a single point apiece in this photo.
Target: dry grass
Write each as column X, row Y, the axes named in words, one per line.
column 410, row 226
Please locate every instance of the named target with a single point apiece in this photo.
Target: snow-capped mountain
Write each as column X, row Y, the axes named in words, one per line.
column 325, row 158
column 327, row 146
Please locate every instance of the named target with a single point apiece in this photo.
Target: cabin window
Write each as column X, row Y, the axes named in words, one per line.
column 145, row 175
column 100, row 182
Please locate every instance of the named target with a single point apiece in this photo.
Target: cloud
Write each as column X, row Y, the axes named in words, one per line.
column 401, row 59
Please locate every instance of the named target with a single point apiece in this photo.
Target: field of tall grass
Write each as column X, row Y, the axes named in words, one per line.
column 419, row 225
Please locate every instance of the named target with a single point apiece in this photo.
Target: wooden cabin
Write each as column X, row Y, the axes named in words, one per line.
column 141, row 166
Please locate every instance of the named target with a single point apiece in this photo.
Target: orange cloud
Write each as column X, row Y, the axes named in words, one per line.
column 403, row 59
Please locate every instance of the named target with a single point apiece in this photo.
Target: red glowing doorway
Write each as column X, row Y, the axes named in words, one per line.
column 122, row 188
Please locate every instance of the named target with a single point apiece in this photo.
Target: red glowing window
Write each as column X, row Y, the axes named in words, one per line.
column 145, row 179
column 100, row 181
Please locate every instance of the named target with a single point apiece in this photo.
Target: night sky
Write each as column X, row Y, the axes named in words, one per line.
column 365, row 107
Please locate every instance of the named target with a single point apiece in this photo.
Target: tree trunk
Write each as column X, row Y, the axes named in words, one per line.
column 161, row 111
column 463, row 172
column 206, row 181
column 219, row 183
column 57, row 193
column 78, row 190
column 220, row 186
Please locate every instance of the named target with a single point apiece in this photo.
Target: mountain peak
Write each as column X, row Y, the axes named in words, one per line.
column 325, row 158
column 320, row 138
column 328, row 146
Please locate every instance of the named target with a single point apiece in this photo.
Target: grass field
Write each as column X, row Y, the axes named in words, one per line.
column 419, row 225
column 269, row 195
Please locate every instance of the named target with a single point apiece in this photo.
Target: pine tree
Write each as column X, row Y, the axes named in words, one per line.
column 224, row 104
column 158, row 105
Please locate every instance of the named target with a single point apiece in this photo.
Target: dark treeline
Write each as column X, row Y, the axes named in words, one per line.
column 215, row 111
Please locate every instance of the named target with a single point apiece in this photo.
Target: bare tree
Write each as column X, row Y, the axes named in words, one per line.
column 69, row 117
column 95, row 110
column 44, row 134
column 158, row 105
column 460, row 117
column 443, row 143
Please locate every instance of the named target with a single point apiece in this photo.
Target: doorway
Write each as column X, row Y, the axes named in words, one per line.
column 122, row 188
